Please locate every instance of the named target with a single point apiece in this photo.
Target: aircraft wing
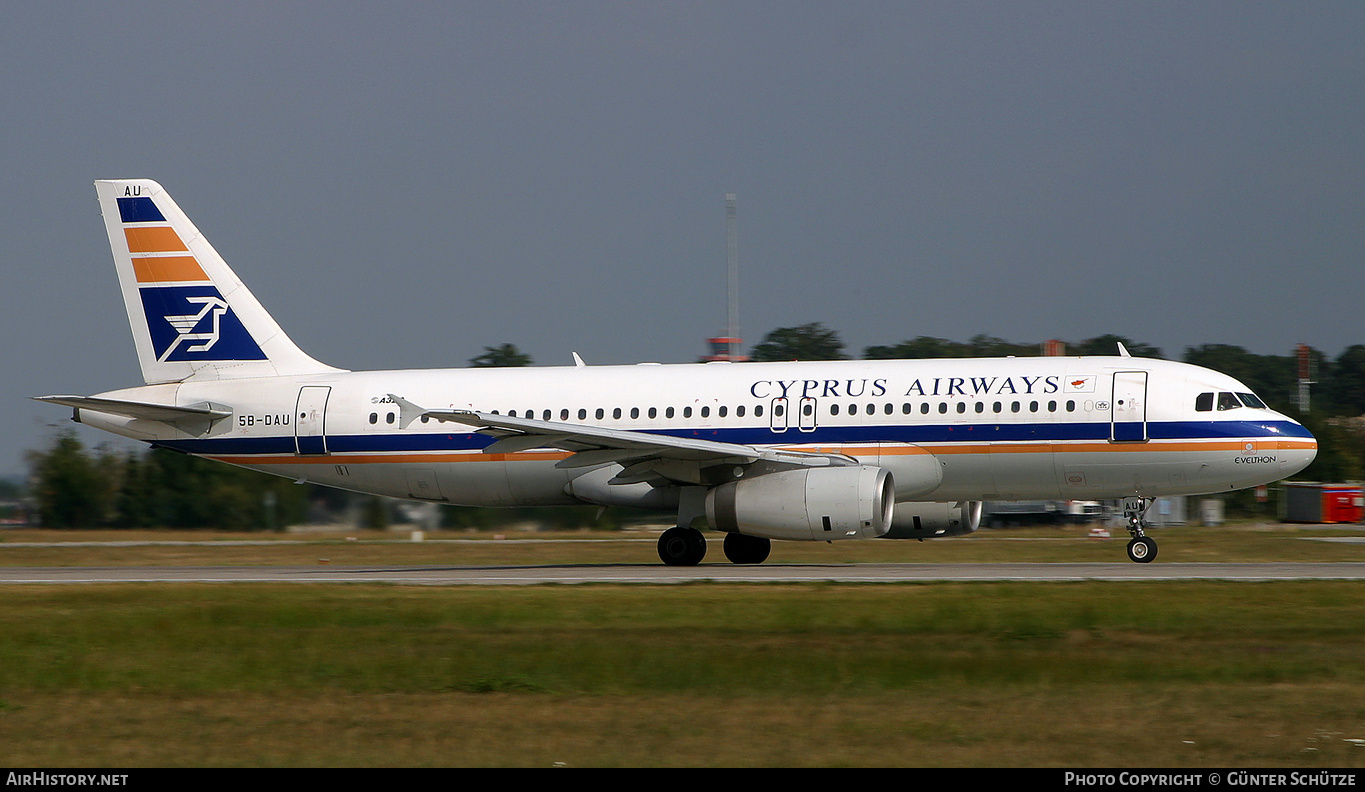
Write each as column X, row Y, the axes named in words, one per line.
column 643, row 455
column 192, row 418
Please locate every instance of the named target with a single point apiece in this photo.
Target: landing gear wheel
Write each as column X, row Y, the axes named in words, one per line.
column 682, row 547
column 742, row 549
column 1142, row 549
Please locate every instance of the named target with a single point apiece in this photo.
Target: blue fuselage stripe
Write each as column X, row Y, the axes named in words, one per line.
column 825, row 435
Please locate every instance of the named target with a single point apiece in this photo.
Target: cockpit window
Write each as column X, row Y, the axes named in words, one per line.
column 1228, row 401
column 1250, row 400
column 1204, row 402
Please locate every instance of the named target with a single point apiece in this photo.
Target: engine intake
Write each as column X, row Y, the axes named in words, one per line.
column 814, row 504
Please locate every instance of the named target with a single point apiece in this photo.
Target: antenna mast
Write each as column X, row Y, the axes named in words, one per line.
column 726, row 347
column 732, row 257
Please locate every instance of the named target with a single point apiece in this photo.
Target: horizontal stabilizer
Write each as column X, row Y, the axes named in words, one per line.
column 194, row 419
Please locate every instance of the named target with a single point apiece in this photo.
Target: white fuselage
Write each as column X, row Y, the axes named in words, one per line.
column 947, row 430
column 811, row 451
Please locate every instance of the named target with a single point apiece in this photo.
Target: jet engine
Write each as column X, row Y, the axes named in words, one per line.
column 930, row 520
column 808, row 503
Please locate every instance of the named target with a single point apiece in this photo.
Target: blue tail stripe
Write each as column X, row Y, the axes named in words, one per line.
column 139, row 210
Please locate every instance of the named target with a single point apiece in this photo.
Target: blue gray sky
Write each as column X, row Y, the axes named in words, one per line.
column 403, row 184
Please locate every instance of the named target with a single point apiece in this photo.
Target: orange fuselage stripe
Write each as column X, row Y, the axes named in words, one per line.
column 983, row 448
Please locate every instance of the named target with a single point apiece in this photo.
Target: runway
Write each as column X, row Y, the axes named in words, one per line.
column 662, row 575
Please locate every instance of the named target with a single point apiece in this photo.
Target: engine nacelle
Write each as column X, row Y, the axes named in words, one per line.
column 814, row 504
column 929, row 520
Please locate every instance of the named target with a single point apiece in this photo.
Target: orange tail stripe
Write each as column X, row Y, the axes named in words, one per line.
column 168, row 269
column 155, row 239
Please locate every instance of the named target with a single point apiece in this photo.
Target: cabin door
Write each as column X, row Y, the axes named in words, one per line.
column 310, row 436
column 1128, row 410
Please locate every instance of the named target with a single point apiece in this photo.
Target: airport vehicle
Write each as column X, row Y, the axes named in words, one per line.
column 815, row 451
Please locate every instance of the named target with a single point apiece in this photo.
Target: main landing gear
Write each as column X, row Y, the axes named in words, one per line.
column 742, row 549
column 681, row 546
column 1141, row 548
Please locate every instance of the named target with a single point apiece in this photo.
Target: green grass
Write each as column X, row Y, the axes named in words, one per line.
column 768, row 640
column 1020, row 674
column 1189, row 674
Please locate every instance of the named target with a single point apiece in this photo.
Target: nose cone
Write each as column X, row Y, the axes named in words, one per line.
column 1297, row 449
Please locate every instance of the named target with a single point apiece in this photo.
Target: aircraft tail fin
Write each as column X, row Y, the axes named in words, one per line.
column 191, row 315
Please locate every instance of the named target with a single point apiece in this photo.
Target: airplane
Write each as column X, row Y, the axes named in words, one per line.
column 804, row 451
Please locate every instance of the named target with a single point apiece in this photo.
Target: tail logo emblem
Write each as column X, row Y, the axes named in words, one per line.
column 195, row 323
column 185, row 324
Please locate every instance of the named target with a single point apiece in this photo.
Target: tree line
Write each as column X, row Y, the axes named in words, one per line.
column 72, row 486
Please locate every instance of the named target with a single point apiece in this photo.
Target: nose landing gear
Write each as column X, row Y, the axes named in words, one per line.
column 1141, row 548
